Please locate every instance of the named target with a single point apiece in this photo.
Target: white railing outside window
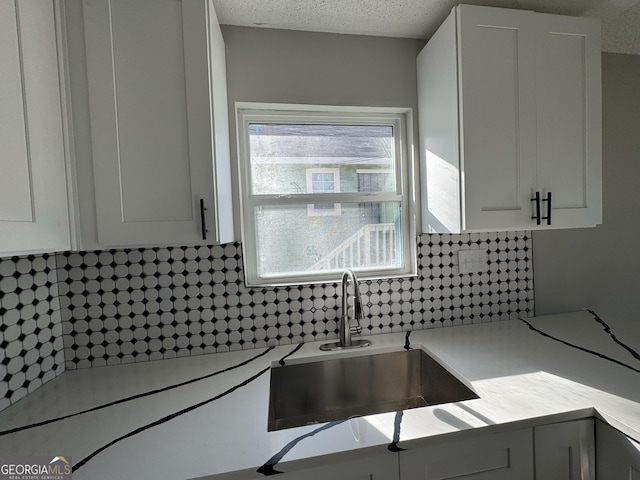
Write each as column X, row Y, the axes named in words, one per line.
column 372, row 245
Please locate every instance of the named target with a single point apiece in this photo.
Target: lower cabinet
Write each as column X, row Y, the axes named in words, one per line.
column 559, row 451
column 499, row 456
column 565, row 451
column 618, row 456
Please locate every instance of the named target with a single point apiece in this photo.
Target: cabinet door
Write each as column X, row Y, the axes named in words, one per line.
column 496, row 49
column 618, row 457
column 33, row 196
column 569, row 119
column 381, row 467
column 528, row 105
column 565, row 451
column 151, row 120
column 501, row 456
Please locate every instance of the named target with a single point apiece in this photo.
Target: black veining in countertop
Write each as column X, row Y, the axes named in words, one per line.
column 608, row 330
column 397, row 423
column 168, row 418
column 268, row 467
column 165, row 419
column 137, row 396
column 407, row 345
column 298, row 347
column 578, row 347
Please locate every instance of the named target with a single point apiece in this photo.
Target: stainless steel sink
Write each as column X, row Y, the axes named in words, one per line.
column 336, row 389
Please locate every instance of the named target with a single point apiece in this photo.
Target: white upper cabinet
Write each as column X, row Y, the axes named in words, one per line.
column 34, row 215
column 159, row 122
column 510, row 111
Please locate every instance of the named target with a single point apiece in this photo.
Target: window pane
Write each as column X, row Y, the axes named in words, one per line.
column 322, row 183
column 282, row 155
column 291, row 240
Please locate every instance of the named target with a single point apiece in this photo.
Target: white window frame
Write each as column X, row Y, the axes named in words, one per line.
column 401, row 119
column 311, row 210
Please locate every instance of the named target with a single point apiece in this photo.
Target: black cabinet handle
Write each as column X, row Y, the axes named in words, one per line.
column 536, row 208
column 203, row 220
column 548, row 200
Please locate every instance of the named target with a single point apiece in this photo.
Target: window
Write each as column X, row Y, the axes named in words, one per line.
column 323, row 180
column 324, row 189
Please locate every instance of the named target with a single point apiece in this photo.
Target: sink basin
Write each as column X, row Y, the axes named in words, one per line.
column 340, row 388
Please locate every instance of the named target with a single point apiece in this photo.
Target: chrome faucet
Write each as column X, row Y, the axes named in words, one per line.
column 344, row 324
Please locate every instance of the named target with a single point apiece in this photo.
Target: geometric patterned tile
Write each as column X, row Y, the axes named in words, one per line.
column 123, row 306
column 87, row 309
column 31, row 346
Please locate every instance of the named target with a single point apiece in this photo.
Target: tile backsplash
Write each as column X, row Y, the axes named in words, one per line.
column 132, row 305
column 31, row 346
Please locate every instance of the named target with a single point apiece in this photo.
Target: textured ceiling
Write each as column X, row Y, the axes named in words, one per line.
column 420, row 18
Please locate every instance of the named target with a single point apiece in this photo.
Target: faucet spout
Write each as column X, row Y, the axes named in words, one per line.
column 344, row 324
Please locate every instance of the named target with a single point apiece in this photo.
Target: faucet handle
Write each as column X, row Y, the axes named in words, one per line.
column 357, row 309
column 357, row 329
column 358, row 314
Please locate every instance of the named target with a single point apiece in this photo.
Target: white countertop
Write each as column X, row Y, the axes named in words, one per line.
column 218, row 424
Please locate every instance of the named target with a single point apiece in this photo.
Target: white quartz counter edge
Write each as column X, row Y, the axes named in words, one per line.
column 218, row 425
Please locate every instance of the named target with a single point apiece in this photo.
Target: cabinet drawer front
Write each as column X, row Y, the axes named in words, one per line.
column 494, row 457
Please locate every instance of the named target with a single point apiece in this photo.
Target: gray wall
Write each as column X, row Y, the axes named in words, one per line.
column 599, row 267
column 265, row 65
column 286, row 66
